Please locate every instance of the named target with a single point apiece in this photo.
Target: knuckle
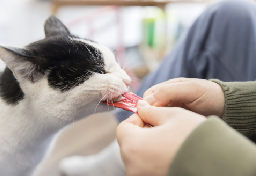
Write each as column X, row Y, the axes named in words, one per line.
column 181, row 79
column 165, row 89
column 148, row 92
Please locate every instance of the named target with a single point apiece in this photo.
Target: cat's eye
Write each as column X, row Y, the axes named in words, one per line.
column 102, row 72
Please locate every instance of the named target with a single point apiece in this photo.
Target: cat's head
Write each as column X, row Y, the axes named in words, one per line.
column 62, row 75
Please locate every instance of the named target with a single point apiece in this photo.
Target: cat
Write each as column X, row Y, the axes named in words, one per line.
column 48, row 85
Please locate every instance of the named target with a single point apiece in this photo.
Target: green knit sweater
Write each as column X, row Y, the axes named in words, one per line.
column 216, row 149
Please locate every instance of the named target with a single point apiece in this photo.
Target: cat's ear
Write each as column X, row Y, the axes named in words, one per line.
column 18, row 60
column 53, row 26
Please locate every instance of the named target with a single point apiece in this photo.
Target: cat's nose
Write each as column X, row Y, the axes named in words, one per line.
column 127, row 80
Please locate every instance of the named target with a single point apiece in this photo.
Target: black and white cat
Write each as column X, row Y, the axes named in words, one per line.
column 46, row 86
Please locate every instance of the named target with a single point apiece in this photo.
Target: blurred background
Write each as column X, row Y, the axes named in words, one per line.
column 140, row 34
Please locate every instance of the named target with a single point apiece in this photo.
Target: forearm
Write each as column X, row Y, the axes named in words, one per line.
column 212, row 149
column 240, row 106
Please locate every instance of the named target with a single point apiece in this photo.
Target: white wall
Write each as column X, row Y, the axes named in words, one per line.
column 21, row 22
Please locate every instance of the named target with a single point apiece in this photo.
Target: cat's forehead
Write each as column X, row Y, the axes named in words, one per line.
column 106, row 52
column 107, row 55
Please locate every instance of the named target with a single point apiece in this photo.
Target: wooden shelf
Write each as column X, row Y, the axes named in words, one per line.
column 111, row 2
column 59, row 3
column 163, row 3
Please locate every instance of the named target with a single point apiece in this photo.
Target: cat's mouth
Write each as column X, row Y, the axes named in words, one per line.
column 118, row 98
column 113, row 100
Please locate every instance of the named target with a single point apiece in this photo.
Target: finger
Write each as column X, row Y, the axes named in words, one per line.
column 156, row 87
column 154, row 115
column 129, row 127
column 151, row 91
column 135, row 120
column 179, row 80
column 173, row 93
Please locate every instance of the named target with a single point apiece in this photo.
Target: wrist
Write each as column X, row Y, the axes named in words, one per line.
column 219, row 98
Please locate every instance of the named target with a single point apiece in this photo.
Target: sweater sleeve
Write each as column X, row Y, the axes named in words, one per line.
column 213, row 149
column 240, row 106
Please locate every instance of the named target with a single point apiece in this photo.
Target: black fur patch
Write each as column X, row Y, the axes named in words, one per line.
column 10, row 89
column 69, row 62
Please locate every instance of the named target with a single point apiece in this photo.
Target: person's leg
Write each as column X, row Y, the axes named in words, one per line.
column 220, row 44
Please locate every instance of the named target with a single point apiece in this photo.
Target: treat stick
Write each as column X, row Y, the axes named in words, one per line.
column 128, row 102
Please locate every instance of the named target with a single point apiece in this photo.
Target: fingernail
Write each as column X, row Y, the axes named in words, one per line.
column 142, row 103
column 150, row 99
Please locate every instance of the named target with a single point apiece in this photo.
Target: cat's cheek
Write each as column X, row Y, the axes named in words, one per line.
column 93, row 108
column 113, row 87
column 110, row 94
column 104, row 108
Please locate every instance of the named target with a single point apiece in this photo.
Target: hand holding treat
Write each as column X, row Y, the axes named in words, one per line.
column 198, row 95
column 141, row 146
column 128, row 101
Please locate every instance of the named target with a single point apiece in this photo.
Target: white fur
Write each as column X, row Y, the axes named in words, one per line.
column 27, row 129
column 106, row 163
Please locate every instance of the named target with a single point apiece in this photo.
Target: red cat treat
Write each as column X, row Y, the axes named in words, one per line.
column 128, row 102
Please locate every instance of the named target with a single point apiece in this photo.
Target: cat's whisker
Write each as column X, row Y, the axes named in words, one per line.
column 111, row 99
column 100, row 102
column 126, row 63
column 122, row 64
column 132, row 67
column 93, row 89
column 98, row 88
column 119, row 62
column 135, row 79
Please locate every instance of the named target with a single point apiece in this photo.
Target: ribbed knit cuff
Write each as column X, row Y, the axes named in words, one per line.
column 240, row 106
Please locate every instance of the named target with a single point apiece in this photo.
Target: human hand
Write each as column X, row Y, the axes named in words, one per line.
column 198, row 95
column 150, row 151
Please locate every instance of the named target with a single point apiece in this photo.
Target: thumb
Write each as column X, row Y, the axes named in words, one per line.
column 154, row 115
column 134, row 120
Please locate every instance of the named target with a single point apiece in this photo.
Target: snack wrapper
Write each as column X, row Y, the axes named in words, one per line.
column 128, row 102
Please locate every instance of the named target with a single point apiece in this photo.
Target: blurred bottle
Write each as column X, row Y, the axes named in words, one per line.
column 153, row 27
column 160, row 29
